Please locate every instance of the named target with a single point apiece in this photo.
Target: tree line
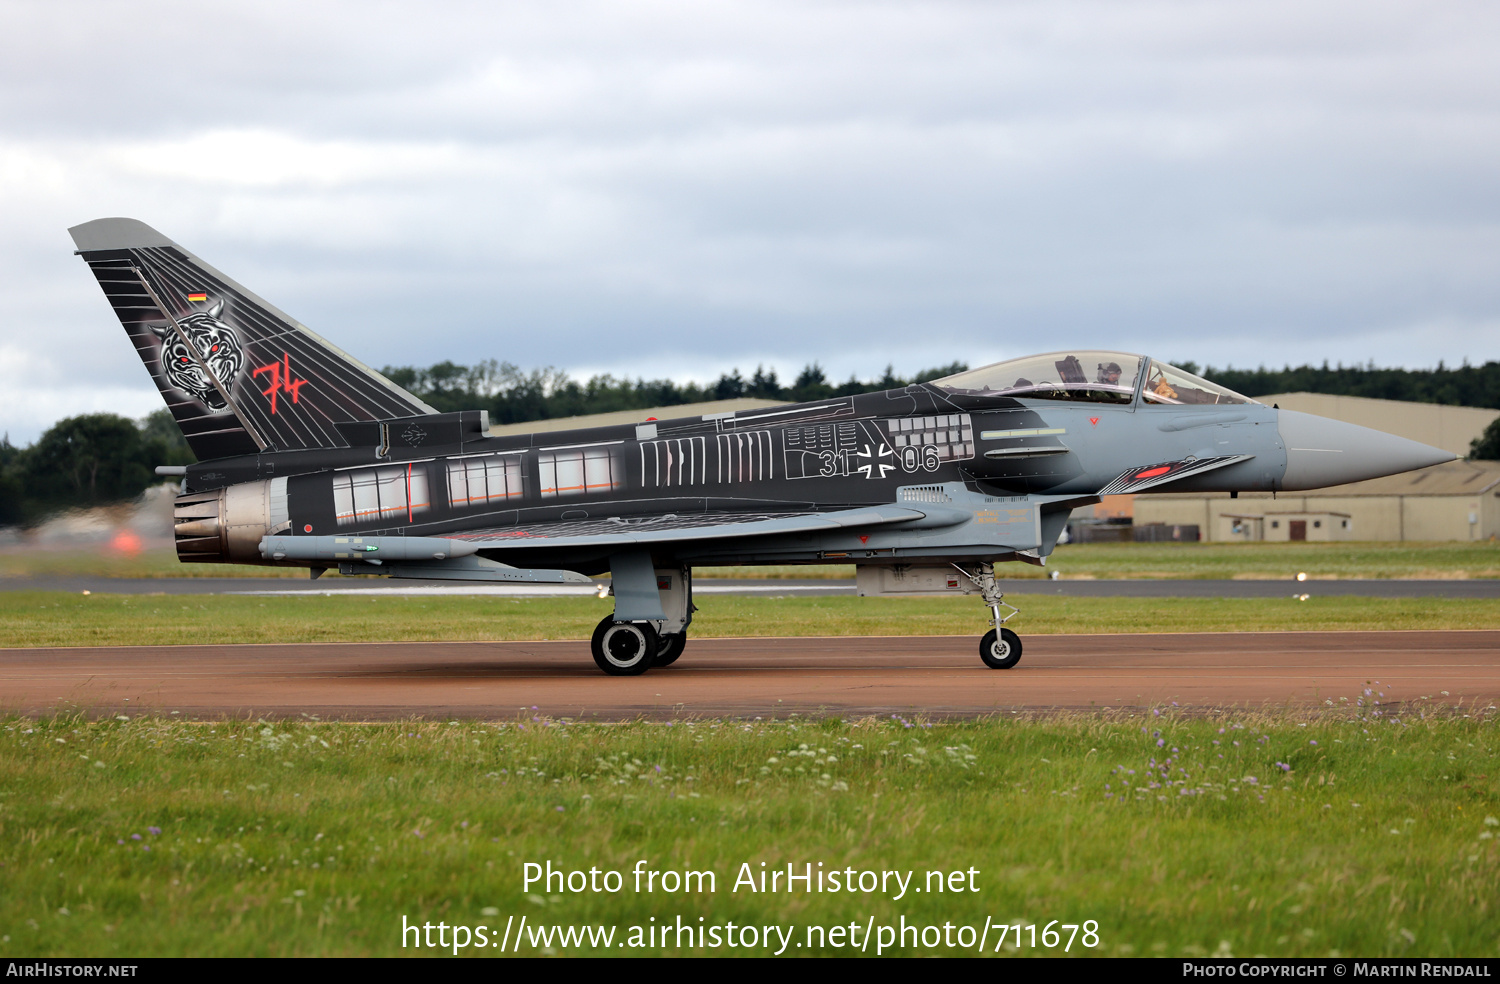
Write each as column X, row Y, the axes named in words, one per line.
column 101, row 458
column 1464, row 386
column 89, row 460
column 514, row 396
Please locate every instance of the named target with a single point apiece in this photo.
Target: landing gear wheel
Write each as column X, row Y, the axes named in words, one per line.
column 670, row 648
column 1000, row 652
column 624, row 648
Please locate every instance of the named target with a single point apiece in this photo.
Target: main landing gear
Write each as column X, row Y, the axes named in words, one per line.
column 625, row 648
column 653, row 608
column 1000, row 648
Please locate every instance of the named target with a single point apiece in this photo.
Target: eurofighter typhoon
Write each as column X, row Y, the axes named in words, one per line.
column 308, row 458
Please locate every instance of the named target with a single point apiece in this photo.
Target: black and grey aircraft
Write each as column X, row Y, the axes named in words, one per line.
column 309, row 458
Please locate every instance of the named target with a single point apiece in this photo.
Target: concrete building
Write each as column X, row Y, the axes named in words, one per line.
column 1459, row 500
column 1456, row 501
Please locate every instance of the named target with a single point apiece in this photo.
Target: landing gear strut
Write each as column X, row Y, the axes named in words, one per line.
column 1000, row 648
column 653, row 609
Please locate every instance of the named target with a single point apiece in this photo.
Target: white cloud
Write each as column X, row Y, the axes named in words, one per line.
column 656, row 188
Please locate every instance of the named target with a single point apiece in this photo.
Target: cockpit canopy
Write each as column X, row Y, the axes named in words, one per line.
column 1084, row 376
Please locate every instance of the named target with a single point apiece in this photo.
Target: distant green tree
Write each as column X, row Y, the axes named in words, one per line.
column 512, row 396
column 13, row 508
column 811, row 384
column 765, row 385
column 86, row 460
column 938, row 372
column 1486, row 447
column 1467, row 385
column 162, row 435
column 730, row 386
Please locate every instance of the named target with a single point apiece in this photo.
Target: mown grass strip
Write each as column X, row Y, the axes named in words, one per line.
column 1220, row 561
column 63, row 619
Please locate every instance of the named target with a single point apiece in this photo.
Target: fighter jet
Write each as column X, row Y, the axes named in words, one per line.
column 308, row 458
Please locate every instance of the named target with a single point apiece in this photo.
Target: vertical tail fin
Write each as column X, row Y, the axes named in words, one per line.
column 238, row 375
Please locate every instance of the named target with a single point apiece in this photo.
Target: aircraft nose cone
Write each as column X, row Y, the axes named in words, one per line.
column 1322, row 452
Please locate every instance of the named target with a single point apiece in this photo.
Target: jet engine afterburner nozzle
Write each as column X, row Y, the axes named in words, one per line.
column 225, row 526
column 1321, row 452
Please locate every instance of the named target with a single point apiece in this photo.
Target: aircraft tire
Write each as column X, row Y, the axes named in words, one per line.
column 624, row 648
column 1002, row 651
column 671, row 647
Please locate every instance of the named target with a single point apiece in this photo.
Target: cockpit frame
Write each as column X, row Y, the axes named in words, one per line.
column 1011, row 378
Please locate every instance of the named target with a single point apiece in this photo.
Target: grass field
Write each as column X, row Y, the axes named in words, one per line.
column 53, row 618
column 1107, row 560
column 1350, row 832
column 1346, row 834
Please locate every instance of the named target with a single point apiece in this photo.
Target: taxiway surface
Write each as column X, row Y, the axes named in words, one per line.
column 938, row 676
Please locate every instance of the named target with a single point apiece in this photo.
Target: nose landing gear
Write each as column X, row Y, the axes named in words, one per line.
column 1000, row 648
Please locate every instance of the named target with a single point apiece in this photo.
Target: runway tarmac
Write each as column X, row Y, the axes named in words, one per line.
column 938, row 676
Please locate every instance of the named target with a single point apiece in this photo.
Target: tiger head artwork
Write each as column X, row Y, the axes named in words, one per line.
column 218, row 347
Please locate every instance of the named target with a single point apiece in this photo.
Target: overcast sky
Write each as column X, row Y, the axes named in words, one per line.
column 676, row 189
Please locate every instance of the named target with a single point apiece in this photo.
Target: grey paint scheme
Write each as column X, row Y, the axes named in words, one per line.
column 924, row 474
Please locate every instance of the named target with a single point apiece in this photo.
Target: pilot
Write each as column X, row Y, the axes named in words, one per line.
column 1110, row 374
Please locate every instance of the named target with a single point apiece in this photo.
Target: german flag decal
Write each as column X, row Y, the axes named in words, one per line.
column 194, row 298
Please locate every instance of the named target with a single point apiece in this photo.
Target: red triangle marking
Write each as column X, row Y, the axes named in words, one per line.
column 864, row 539
column 1094, row 421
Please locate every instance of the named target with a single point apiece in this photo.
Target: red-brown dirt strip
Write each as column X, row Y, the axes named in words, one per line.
column 939, row 676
